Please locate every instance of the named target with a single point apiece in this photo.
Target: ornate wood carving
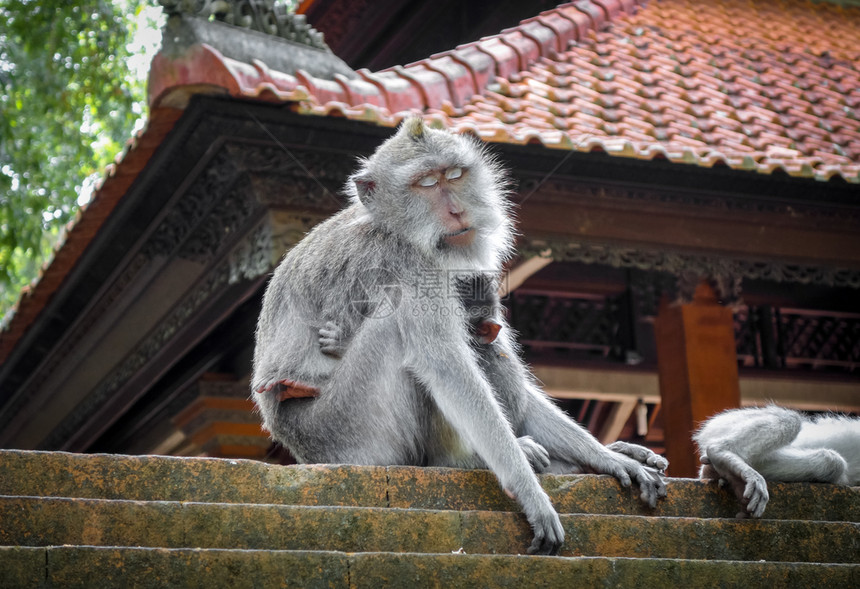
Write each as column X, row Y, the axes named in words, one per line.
column 264, row 16
column 676, row 263
column 212, row 223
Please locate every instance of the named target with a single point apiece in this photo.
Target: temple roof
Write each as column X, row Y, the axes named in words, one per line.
column 763, row 86
column 767, row 86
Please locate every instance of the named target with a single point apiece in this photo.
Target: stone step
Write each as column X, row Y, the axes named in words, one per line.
column 46, row 521
column 122, row 567
column 150, row 478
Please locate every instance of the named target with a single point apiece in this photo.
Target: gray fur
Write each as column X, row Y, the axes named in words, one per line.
column 409, row 385
column 747, row 447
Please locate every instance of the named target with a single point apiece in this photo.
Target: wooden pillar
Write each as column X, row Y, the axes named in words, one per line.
column 698, row 368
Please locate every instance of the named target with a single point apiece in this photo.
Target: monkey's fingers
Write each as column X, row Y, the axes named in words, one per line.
column 651, row 487
column 331, row 341
column 536, row 454
column 658, row 462
column 618, row 469
column 640, row 454
column 329, row 334
column 755, row 495
column 649, row 481
column 549, row 536
column 659, row 482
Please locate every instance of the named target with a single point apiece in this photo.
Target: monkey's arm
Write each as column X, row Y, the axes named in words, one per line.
column 569, row 444
column 438, row 354
column 571, row 447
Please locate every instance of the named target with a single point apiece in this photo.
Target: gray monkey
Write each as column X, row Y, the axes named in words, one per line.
column 410, row 386
column 747, row 447
column 482, row 308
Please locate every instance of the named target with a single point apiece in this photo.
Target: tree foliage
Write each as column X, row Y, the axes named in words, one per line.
column 68, row 104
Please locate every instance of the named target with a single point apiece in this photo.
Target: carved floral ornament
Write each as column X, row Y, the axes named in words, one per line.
column 677, row 263
column 265, row 16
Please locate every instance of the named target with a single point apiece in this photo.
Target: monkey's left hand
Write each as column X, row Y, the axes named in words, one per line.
column 640, row 454
column 627, row 471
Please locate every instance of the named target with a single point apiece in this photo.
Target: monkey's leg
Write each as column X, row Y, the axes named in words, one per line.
column 752, row 490
column 536, row 454
column 790, row 464
column 366, row 412
column 750, row 433
column 737, row 444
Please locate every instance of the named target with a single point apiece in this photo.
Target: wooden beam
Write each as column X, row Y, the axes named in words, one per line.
column 742, row 236
column 789, row 388
column 516, row 276
column 617, row 419
column 698, row 369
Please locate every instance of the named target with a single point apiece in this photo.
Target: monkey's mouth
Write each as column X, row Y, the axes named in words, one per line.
column 460, row 238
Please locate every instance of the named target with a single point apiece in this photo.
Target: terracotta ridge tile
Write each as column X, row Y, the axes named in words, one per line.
column 504, row 56
column 423, row 91
column 597, row 14
column 582, row 23
column 436, row 65
column 526, row 53
column 369, row 77
column 542, row 36
column 359, row 92
column 564, row 30
column 322, row 91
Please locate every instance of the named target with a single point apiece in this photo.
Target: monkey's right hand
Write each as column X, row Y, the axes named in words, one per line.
column 331, row 340
column 549, row 533
column 545, row 523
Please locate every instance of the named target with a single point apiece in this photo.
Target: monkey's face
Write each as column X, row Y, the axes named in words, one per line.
column 441, row 189
column 438, row 190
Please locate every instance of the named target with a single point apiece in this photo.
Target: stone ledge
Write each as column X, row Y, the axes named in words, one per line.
column 75, row 566
column 56, row 521
column 151, row 478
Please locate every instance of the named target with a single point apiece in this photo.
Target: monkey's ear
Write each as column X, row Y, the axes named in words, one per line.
column 365, row 186
column 414, row 127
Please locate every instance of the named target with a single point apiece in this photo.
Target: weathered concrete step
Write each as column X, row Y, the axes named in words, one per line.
column 148, row 478
column 108, row 567
column 41, row 521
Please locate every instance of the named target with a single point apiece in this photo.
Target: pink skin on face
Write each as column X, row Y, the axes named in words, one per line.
column 438, row 187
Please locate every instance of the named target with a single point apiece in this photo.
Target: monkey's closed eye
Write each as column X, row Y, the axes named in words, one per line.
column 428, row 181
column 453, row 173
